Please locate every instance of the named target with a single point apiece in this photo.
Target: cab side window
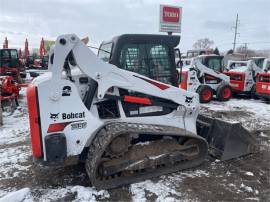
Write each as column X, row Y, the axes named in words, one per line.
column 104, row 52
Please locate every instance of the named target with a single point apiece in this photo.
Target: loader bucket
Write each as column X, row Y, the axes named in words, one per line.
column 226, row 140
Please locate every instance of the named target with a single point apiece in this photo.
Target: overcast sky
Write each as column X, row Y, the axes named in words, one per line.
column 103, row 19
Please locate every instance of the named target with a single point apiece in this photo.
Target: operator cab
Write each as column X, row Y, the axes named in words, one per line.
column 149, row 55
column 9, row 58
column 214, row 62
column 195, row 53
column 266, row 65
column 258, row 61
column 10, row 65
column 237, row 64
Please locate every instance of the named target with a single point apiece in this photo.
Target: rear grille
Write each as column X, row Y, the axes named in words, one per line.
column 108, row 109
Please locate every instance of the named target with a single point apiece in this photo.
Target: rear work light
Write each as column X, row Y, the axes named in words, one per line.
column 183, row 80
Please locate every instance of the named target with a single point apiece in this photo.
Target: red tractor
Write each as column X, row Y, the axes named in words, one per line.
column 10, row 64
column 10, row 77
column 9, row 89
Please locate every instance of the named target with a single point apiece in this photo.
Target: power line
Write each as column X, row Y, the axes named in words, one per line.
column 258, row 42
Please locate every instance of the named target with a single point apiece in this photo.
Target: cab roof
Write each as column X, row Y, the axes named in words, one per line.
column 170, row 40
column 8, row 49
column 210, row 55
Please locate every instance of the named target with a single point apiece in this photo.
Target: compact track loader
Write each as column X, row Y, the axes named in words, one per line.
column 124, row 126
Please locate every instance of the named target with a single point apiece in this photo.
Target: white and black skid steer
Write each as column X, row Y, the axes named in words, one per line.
column 243, row 76
column 206, row 81
column 125, row 127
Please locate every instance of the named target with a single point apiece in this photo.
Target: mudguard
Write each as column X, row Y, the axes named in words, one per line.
column 226, row 140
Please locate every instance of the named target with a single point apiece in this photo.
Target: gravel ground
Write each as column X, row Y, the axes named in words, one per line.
column 242, row 179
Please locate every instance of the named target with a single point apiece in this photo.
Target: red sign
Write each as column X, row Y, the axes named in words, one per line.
column 171, row 14
column 170, row 19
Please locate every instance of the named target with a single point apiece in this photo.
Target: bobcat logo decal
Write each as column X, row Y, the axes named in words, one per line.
column 189, row 99
column 54, row 116
column 66, row 91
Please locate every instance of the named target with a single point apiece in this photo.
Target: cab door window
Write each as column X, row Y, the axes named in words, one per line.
column 215, row 64
column 133, row 58
column 151, row 60
column 159, row 63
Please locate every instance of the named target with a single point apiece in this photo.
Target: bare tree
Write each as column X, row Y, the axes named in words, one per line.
column 204, row 43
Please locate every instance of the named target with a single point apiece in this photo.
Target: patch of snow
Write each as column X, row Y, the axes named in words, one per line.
column 160, row 189
column 238, row 191
column 53, row 194
column 15, row 128
column 231, row 185
column 166, row 188
column 246, row 188
column 262, row 134
column 196, row 173
column 3, row 193
column 88, row 194
column 258, row 107
column 82, row 194
column 143, row 143
column 249, row 173
column 253, row 199
column 12, row 159
column 14, row 153
column 22, row 195
column 253, row 114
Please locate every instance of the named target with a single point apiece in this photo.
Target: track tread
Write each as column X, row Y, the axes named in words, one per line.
column 112, row 130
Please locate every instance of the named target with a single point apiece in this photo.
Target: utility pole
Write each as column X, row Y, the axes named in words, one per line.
column 246, row 51
column 235, row 31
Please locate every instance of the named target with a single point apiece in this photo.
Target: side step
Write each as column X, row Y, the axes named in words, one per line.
column 226, row 140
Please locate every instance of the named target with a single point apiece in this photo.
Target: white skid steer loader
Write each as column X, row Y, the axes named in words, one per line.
column 263, row 81
column 196, row 77
column 243, row 76
column 125, row 127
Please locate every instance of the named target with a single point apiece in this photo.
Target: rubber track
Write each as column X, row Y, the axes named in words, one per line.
column 112, row 130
